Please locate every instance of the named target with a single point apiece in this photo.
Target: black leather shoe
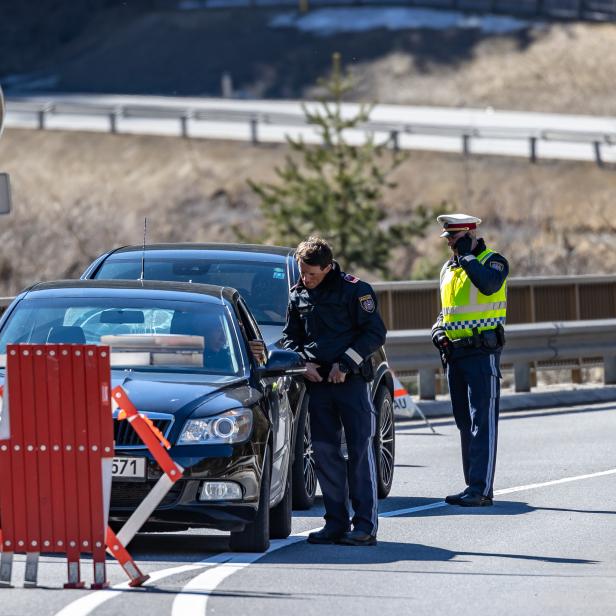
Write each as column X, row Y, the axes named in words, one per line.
column 475, row 500
column 357, row 537
column 325, row 536
column 454, row 499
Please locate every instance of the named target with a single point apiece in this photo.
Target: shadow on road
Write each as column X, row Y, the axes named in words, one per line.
column 500, row 507
column 390, row 552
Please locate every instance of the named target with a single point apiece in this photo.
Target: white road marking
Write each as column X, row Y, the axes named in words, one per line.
column 533, row 486
column 88, row 603
column 193, row 597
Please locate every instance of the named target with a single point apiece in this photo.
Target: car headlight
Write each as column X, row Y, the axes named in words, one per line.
column 230, row 427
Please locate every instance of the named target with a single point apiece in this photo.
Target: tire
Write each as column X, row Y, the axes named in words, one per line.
column 304, row 475
column 281, row 516
column 255, row 536
column 384, row 441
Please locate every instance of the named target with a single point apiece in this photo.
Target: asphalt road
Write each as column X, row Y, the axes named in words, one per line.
column 547, row 545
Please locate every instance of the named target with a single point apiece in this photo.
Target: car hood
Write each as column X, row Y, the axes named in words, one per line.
column 168, row 393
column 202, row 399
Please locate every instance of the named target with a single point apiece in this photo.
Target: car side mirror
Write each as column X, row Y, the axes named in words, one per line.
column 281, row 362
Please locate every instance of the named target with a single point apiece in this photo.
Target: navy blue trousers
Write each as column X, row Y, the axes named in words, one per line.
column 474, row 385
column 334, row 407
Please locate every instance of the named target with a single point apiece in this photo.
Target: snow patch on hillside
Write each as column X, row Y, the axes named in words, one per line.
column 327, row 22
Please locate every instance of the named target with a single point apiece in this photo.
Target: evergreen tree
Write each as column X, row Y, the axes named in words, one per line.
column 336, row 188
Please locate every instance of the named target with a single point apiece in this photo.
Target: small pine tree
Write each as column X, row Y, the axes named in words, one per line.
column 337, row 189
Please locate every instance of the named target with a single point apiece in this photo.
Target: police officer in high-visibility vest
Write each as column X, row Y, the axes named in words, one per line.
column 469, row 334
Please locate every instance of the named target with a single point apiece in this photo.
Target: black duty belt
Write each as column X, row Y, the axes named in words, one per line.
column 490, row 339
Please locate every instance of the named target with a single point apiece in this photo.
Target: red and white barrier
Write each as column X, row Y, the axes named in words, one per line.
column 56, row 452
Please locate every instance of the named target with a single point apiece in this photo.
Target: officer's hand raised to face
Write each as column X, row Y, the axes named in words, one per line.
column 311, row 373
column 464, row 245
column 336, row 375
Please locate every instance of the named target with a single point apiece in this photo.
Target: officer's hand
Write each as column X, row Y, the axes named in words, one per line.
column 439, row 339
column 311, row 373
column 335, row 375
column 464, row 245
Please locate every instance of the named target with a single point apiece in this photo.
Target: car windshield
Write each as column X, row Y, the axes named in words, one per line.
column 143, row 334
column 264, row 286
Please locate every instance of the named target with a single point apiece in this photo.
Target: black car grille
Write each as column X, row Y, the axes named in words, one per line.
column 125, row 435
column 129, row 494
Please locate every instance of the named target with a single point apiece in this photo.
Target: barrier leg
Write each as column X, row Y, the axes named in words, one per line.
column 100, row 576
column 31, row 575
column 118, row 551
column 100, row 570
column 74, row 572
column 6, row 569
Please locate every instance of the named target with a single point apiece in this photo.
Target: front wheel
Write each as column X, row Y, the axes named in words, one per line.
column 281, row 516
column 384, row 441
column 255, row 536
column 304, row 471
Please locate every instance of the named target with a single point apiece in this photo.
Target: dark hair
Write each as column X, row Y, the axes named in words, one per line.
column 314, row 251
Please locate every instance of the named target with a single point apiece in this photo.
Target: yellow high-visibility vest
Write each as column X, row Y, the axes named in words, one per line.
column 465, row 309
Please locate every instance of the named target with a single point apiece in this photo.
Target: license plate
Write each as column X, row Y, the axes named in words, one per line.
column 129, row 468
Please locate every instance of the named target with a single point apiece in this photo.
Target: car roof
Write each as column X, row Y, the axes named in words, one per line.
column 228, row 251
column 147, row 288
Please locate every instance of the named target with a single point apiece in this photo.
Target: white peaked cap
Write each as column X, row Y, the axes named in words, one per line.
column 454, row 223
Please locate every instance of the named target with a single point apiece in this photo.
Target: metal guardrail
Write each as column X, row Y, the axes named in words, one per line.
column 185, row 114
column 528, row 345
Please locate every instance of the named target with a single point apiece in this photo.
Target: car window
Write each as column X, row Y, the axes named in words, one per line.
column 142, row 334
column 264, row 286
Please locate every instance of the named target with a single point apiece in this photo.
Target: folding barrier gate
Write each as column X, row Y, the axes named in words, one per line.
column 56, row 451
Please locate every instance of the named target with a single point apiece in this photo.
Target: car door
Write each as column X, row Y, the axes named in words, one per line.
column 275, row 391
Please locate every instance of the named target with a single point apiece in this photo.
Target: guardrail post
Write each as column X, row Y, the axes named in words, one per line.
column 393, row 137
column 598, row 158
column 427, row 384
column 184, row 124
column 609, row 370
column 466, row 145
column 533, row 149
column 521, row 372
column 113, row 119
column 41, row 118
column 254, row 134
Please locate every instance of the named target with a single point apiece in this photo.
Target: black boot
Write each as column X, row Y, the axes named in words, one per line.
column 325, row 536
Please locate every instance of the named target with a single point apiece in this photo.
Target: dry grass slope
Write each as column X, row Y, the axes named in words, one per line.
column 78, row 194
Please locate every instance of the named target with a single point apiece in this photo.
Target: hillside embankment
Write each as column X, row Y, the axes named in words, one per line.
column 77, row 195
column 151, row 47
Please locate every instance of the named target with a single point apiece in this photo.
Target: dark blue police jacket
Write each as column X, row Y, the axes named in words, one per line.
column 338, row 321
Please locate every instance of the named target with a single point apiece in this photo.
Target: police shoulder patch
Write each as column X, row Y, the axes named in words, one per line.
column 367, row 303
column 497, row 265
column 351, row 278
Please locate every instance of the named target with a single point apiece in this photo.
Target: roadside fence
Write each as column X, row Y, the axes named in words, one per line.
column 530, row 346
column 270, row 121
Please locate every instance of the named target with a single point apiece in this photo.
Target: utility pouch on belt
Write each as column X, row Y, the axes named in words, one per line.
column 500, row 334
column 489, row 340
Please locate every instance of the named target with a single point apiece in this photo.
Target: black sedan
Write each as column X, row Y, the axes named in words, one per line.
column 263, row 275
column 182, row 352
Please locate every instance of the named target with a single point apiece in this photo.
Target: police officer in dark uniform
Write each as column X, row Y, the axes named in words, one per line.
column 469, row 334
column 333, row 322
